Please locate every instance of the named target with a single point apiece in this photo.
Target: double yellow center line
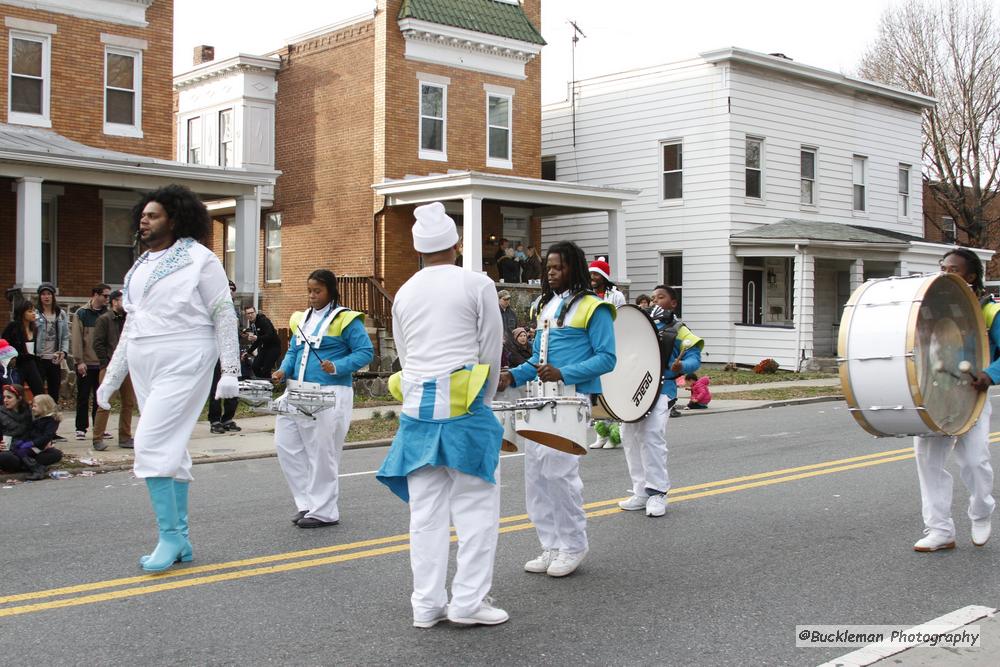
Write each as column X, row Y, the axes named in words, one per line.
column 126, row 587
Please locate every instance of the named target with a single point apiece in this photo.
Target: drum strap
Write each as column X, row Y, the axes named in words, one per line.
column 312, row 342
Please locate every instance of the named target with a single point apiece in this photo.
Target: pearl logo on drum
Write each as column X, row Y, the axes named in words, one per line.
column 641, row 390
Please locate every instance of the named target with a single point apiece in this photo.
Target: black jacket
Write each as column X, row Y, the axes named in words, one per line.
column 267, row 335
column 517, row 355
column 14, row 424
column 13, row 333
column 42, row 431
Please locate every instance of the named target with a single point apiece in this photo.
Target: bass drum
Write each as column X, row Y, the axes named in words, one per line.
column 631, row 389
column 901, row 350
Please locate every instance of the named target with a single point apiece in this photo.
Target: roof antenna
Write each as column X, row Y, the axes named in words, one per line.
column 577, row 34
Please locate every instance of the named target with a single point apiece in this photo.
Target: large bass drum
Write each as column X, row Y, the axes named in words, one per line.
column 901, row 350
column 631, row 389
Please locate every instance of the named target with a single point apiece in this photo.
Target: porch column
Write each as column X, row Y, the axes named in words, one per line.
column 247, row 242
column 616, row 244
column 28, row 272
column 805, row 304
column 472, row 233
column 857, row 274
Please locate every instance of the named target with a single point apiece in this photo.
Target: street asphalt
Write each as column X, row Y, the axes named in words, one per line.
column 763, row 533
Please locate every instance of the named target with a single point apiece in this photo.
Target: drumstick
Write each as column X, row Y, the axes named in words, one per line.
column 965, row 366
column 686, row 345
column 939, row 368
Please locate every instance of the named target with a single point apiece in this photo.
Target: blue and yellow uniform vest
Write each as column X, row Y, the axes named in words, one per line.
column 689, row 363
column 990, row 312
column 345, row 343
column 583, row 349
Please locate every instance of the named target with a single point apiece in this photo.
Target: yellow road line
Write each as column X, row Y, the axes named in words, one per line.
column 152, row 587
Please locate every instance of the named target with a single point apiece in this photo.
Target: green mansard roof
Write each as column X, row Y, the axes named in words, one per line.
column 492, row 17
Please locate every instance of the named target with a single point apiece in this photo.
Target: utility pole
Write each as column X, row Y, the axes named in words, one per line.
column 577, row 34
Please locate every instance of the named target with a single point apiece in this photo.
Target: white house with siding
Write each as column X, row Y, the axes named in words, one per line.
column 769, row 191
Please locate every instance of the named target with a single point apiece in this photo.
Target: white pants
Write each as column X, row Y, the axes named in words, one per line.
column 553, row 492
column 309, row 454
column 171, row 378
column 438, row 496
column 972, row 452
column 645, row 443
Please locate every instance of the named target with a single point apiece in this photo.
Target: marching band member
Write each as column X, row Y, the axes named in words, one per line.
column 328, row 344
column 600, row 280
column 444, row 458
column 581, row 348
column 972, row 449
column 180, row 322
column 646, row 440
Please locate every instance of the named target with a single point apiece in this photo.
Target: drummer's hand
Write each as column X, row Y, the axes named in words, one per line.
column 982, row 381
column 278, row 376
column 549, row 373
column 328, row 366
column 677, row 366
column 506, row 380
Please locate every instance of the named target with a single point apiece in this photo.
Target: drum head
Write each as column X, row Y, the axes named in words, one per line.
column 554, row 441
column 949, row 330
column 630, row 390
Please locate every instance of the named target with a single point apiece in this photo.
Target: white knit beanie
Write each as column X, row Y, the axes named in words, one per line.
column 434, row 230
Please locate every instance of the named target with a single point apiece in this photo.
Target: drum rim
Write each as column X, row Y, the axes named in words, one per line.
column 910, row 364
column 659, row 380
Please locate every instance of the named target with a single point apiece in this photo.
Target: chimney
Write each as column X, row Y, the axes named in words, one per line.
column 204, row 54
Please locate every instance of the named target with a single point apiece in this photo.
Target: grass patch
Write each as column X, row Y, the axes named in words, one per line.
column 376, row 428
column 374, row 401
column 778, row 393
column 746, row 376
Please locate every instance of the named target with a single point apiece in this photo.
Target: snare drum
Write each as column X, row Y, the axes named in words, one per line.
column 631, row 389
column 901, row 343
column 504, row 412
column 555, row 416
column 256, row 393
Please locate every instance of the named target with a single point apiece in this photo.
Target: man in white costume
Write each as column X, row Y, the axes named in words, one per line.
column 445, row 457
column 180, row 322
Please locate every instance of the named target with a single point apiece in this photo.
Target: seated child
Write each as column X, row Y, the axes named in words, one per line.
column 35, row 451
column 700, row 395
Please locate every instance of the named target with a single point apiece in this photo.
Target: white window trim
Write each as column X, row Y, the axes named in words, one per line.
column 663, row 201
column 424, row 153
column 121, row 129
column 750, row 199
column 856, row 212
column 815, row 179
column 232, row 139
column 909, row 189
column 267, row 217
column 954, row 230
column 492, row 161
column 19, row 117
column 187, row 139
column 106, row 203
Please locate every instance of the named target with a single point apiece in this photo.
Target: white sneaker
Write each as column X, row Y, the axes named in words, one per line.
column 441, row 615
column 487, row 614
column 934, row 542
column 611, row 444
column 565, row 563
column 981, row 532
column 634, row 503
column 600, row 442
column 656, row 505
column 541, row 564
column 81, row 435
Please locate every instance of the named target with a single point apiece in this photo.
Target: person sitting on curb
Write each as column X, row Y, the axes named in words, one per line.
column 35, row 452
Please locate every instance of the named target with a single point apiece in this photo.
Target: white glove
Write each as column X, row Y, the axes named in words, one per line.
column 228, row 387
column 104, row 394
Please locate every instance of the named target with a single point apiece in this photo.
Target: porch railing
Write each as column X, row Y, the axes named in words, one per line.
column 365, row 294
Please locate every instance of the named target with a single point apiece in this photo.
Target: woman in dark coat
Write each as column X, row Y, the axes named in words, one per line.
column 518, row 349
column 15, row 422
column 20, row 333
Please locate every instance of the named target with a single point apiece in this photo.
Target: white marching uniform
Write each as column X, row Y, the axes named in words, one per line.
column 645, row 445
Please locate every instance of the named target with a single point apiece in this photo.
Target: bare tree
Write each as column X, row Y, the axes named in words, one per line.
column 950, row 50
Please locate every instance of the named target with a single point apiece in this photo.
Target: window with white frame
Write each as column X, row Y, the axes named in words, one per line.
column 29, row 57
column 860, row 169
column 272, row 250
column 226, row 152
column 122, row 91
column 433, row 121
column 904, row 191
column 807, row 176
column 118, row 242
column 673, row 276
column 498, row 128
column 671, row 164
column 229, row 248
column 194, row 140
column 948, row 230
column 754, row 168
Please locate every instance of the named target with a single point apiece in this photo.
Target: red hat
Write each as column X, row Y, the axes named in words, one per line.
column 600, row 267
column 6, row 350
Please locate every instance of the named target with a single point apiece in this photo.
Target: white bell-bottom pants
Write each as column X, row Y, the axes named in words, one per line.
column 645, row 444
column 440, row 496
column 972, row 453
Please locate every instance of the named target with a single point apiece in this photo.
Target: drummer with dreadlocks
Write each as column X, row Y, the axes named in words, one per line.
column 972, row 449
column 581, row 348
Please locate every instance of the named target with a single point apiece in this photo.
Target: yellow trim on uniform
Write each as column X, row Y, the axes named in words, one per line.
column 990, row 311
column 395, row 385
column 683, row 334
column 337, row 327
column 465, row 387
column 585, row 309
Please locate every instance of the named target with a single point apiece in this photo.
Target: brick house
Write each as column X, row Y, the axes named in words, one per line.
column 86, row 125
column 939, row 227
column 422, row 100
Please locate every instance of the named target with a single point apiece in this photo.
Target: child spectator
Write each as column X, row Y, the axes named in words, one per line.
column 8, row 356
column 36, row 451
column 643, row 302
column 519, row 253
column 700, row 395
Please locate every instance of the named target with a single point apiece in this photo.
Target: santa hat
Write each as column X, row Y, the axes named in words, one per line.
column 7, row 352
column 434, row 230
column 601, row 268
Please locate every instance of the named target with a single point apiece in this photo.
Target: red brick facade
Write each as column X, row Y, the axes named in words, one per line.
column 934, row 215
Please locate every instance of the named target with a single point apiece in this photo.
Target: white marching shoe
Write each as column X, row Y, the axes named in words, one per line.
column 487, row 614
column 656, row 505
column 601, row 441
column 565, row 563
column 634, row 503
column 981, row 532
column 441, row 615
column 934, row 542
column 541, row 564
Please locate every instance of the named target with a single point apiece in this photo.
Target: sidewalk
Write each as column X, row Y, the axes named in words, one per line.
column 256, row 440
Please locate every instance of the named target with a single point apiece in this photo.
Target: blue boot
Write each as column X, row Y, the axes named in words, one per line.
column 181, row 498
column 171, row 544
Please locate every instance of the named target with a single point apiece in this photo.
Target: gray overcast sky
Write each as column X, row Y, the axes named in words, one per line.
column 621, row 35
